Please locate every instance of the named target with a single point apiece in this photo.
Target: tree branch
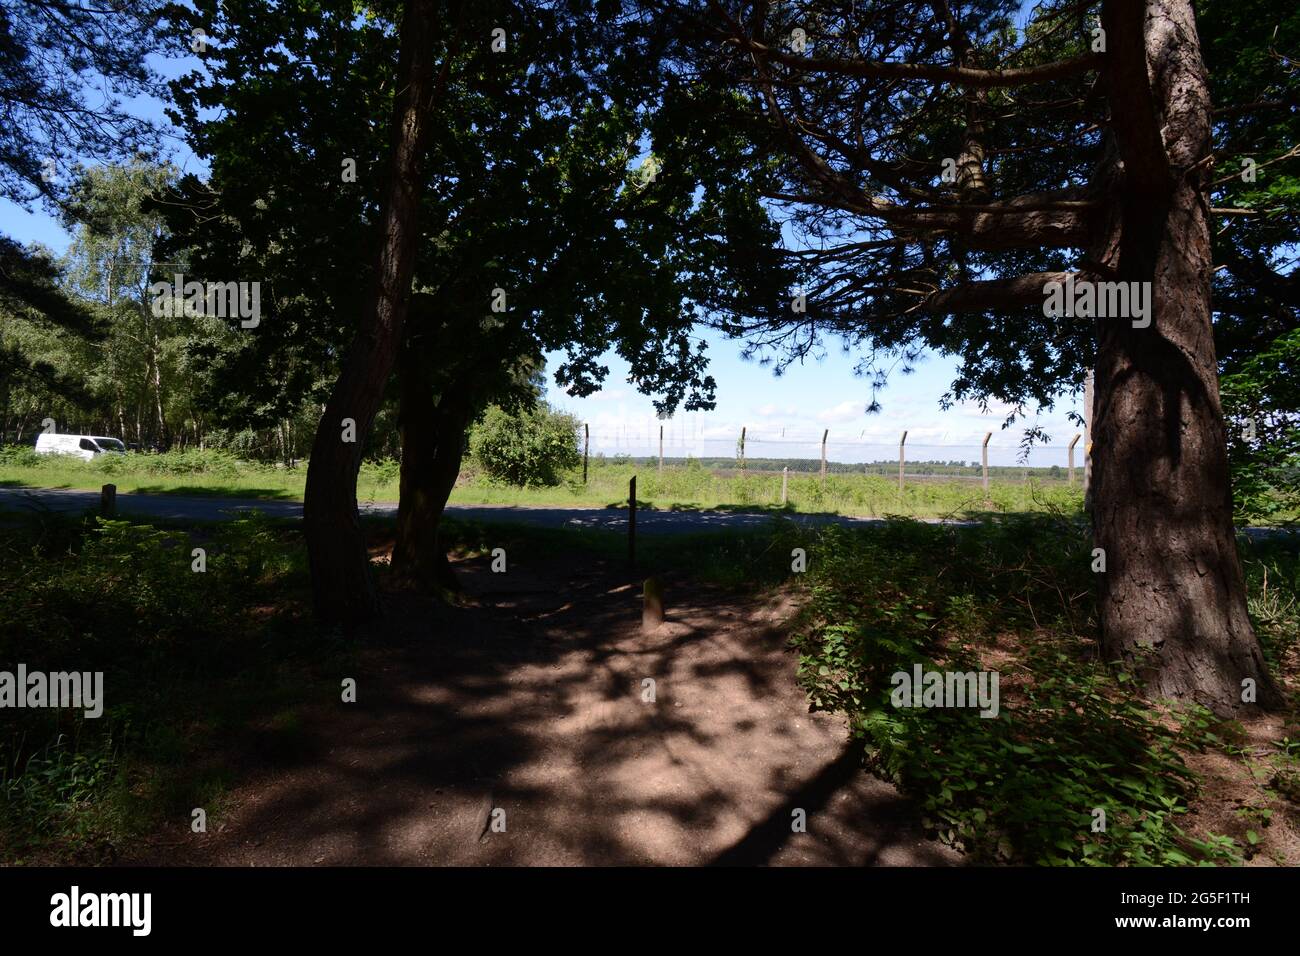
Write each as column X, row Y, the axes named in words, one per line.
column 959, row 75
column 992, row 294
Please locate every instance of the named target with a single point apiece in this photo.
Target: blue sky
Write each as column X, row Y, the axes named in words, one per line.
column 783, row 416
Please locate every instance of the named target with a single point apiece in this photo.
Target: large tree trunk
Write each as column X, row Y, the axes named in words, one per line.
column 433, row 442
column 342, row 589
column 1173, row 599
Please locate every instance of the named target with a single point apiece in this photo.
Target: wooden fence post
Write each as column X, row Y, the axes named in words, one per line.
column 661, row 449
column 901, row 442
column 824, row 434
column 652, row 604
column 631, row 520
column 984, row 461
column 108, row 501
column 785, row 484
column 1074, row 441
column 742, row 448
column 586, row 447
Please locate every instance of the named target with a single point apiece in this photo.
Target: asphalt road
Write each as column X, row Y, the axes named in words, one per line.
column 192, row 508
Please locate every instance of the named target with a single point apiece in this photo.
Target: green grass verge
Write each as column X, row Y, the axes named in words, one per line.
column 684, row 487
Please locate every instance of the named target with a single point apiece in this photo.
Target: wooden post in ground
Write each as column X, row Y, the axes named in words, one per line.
column 1074, row 441
column 108, row 501
column 984, row 461
column 631, row 520
column 652, row 604
column 661, row 449
column 901, row 442
column 742, row 449
column 824, row 434
column 785, row 484
column 586, row 447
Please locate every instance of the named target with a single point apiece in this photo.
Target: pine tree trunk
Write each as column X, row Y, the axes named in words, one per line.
column 1173, row 597
column 342, row 588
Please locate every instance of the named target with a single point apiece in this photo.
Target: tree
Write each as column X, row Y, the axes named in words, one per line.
column 945, row 171
column 342, row 589
column 1256, row 282
column 531, row 187
column 110, row 263
column 440, row 392
column 35, row 310
column 64, row 69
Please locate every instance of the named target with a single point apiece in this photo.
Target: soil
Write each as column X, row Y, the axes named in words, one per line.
column 519, row 729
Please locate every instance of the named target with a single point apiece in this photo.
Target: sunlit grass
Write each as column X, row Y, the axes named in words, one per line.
column 679, row 486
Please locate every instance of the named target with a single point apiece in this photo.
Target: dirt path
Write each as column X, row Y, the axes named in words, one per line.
column 532, row 703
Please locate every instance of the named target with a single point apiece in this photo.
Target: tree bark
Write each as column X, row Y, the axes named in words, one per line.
column 154, row 358
column 1173, row 597
column 433, row 441
column 342, row 588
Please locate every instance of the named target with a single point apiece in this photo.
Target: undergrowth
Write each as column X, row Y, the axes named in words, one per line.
column 190, row 661
column 1075, row 768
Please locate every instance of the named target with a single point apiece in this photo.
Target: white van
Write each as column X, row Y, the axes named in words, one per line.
column 82, row 446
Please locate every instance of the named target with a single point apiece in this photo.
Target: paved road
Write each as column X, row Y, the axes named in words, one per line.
column 191, row 508
column 194, row 508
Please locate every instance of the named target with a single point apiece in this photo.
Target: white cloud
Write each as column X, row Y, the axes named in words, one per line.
column 609, row 395
column 843, row 412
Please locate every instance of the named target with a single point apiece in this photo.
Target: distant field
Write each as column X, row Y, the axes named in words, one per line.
column 680, row 486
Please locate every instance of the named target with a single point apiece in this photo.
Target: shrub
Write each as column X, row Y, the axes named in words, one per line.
column 20, row 456
column 1071, row 737
column 533, row 447
column 193, row 462
column 176, row 647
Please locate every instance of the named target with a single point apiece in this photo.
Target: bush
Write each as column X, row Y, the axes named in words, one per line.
column 1262, row 404
column 192, row 462
column 185, row 655
column 1072, row 735
column 20, row 456
column 533, row 447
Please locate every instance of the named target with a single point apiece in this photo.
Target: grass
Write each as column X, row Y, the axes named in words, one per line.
column 682, row 487
column 210, row 473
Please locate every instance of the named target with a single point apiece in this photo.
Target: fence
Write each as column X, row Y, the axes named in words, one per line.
column 905, row 459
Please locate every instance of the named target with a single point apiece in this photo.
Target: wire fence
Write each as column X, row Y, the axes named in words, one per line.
column 758, row 449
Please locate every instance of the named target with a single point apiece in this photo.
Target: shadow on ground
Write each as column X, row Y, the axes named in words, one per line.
column 543, row 707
